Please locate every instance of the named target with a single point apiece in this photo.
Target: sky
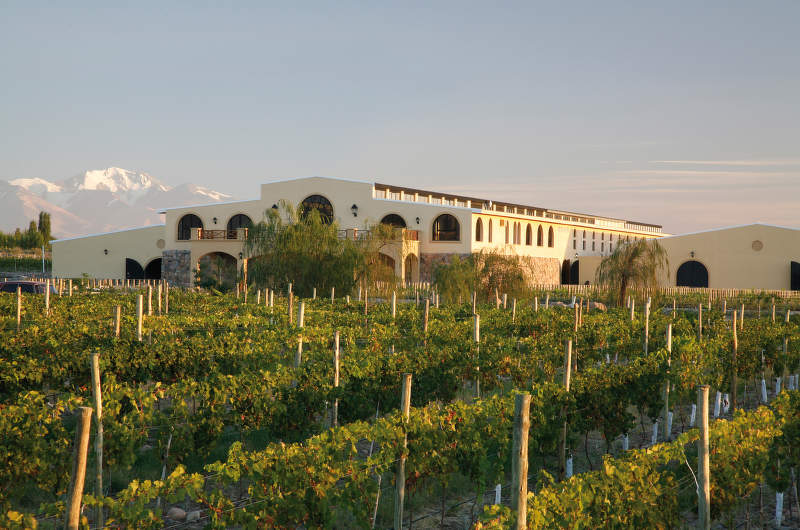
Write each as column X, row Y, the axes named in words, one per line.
column 684, row 114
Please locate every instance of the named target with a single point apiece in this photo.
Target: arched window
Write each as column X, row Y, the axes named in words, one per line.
column 692, row 274
column 551, row 237
column 239, row 220
column 489, row 239
column 393, row 220
column 186, row 224
column 320, row 204
column 479, row 230
column 517, row 234
column 529, row 236
column 507, row 232
column 446, row 228
column 540, row 237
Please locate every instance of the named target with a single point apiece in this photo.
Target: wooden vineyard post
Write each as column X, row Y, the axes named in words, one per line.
column 98, row 441
column 139, row 308
column 258, row 297
column 19, row 308
column 70, row 290
column 271, row 298
column 149, row 300
column 647, row 326
column 734, row 371
column 674, row 308
column 547, row 301
column 47, row 298
column 75, row 495
column 519, row 459
column 505, row 300
column 703, row 467
column 633, row 306
column 562, row 454
column 476, row 336
column 160, row 289
column 166, row 299
column 117, row 318
column 667, row 423
column 426, row 316
column 400, row 475
column 313, row 294
column 741, row 319
column 474, row 301
column 535, row 304
column 333, row 294
column 513, row 310
column 290, row 303
column 394, row 304
column 335, row 420
column 301, row 311
column 700, row 323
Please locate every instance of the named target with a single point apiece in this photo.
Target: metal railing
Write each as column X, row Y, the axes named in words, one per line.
column 221, row 234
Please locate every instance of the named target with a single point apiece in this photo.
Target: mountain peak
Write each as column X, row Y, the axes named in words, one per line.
column 115, row 180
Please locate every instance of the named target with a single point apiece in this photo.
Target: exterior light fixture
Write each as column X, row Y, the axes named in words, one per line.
column 105, row 251
column 691, row 254
column 274, row 206
column 417, row 220
column 354, row 209
column 241, row 255
column 215, row 220
column 576, row 255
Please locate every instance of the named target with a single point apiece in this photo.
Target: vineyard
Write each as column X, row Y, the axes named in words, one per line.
column 266, row 410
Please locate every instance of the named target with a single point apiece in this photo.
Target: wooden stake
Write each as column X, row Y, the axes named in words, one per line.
column 166, row 299
column 117, row 318
column 519, row 459
column 700, row 323
column 19, row 308
column 160, row 288
column 647, row 326
column 562, row 454
column 425, row 317
column 513, row 310
column 75, row 495
column 301, row 311
column 394, row 304
column 667, row 433
column 335, row 421
column 149, row 300
column 333, row 294
column 703, row 467
column 400, row 475
column 47, row 298
column 139, row 309
column 98, row 441
column 734, row 370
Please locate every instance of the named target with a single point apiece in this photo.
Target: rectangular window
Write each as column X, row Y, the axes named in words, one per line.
column 594, row 235
column 592, row 246
column 602, row 247
column 584, row 245
column 602, row 236
column 574, row 244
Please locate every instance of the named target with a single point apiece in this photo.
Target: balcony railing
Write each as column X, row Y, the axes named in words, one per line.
column 228, row 235
column 359, row 235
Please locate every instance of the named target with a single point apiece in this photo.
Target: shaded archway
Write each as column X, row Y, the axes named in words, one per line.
column 133, row 271
column 551, row 237
column 153, row 270
column 794, row 282
column 216, row 270
column 479, row 230
column 321, row 205
column 186, row 224
column 393, row 220
column 412, row 268
column 446, row 228
column 692, row 274
column 540, row 237
column 239, row 220
column 565, row 272
column 529, row 236
column 574, row 273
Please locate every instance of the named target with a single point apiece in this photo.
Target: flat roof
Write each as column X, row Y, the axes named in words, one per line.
column 108, row 233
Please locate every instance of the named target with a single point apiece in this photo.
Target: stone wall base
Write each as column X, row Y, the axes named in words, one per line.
column 176, row 267
column 537, row 270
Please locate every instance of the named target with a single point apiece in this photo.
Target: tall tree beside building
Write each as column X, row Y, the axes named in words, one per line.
column 638, row 264
column 44, row 226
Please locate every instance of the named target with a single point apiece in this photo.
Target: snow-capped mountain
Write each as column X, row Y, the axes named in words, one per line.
column 96, row 201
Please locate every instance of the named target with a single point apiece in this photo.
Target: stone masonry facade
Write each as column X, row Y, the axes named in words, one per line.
column 176, row 267
column 538, row 270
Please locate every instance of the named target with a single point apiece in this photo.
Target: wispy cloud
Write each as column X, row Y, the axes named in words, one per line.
column 746, row 163
column 707, row 173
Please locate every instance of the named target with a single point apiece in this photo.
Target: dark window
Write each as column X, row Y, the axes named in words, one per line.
column 186, row 224
column 794, row 281
column 692, row 274
column 239, row 220
column 507, row 233
column 529, row 236
column 479, row 230
column 574, row 244
column 445, row 228
column 133, row 271
column 551, row 237
column 153, row 270
column 592, row 246
column 540, row 237
column 393, row 220
column 321, row 204
column 489, row 239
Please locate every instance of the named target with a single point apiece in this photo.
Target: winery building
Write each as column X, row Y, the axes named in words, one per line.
column 435, row 227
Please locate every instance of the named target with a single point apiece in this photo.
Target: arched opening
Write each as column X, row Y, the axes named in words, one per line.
column 478, row 230
column 529, row 236
column 393, row 220
column 692, row 274
column 507, row 232
column 565, row 272
column 412, row 268
column 239, row 220
column 540, row 237
column 321, row 205
column 153, row 270
column 386, row 268
column 186, row 224
column 133, row 271
column 574, row 272
column 216, row 270
column 794, row 281
column 446, row 228
column 551, row 237
column 489, row 238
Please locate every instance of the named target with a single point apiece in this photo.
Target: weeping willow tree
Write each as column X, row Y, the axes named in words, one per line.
column 305, row 250
column 485, row 272
column 637, row 264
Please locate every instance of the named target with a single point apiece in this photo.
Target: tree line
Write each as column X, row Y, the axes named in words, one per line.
column 35, row 236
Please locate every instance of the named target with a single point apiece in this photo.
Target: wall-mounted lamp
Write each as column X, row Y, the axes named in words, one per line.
column 417, row 220
column 354, row 209
column 576, row 255
column 241, row 255
column 215, row 220
column 691, row 254
column 105, row 251
column 274, row 206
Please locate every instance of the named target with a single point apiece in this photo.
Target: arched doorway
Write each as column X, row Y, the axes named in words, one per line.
column 321, row 205
column 412, row 268
column 794, row 282
column 216, row 270
column 574, row 273
column 692, row 274
column 186, row 224
column 239, row 220
column 153, row 270
column 565, row 272
column 133, row 271
column 393, row 220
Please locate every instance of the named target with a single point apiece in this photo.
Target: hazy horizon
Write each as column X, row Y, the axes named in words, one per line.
column 682, row 115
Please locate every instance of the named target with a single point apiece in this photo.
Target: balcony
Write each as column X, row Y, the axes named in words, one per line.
column 360, row 235
column 201, row 234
